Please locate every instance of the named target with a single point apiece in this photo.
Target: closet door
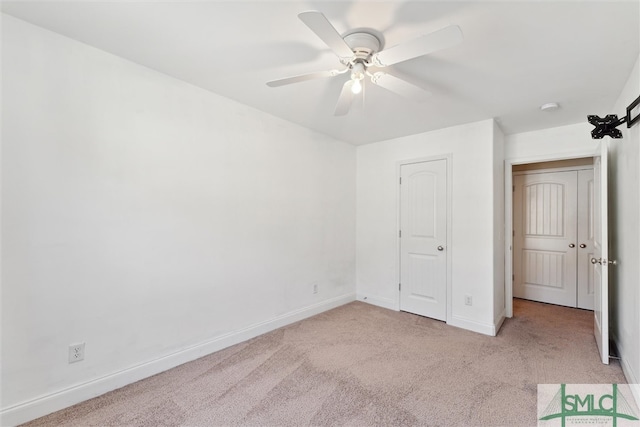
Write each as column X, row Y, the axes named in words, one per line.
column 423, row 239
column 545, row 237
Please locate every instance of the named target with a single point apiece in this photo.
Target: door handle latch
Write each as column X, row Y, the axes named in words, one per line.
column 604, row 261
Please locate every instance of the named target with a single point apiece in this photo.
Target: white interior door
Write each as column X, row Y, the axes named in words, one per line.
column 545, row 235
column 600, row 257
column 586, row 234
column 423, row 229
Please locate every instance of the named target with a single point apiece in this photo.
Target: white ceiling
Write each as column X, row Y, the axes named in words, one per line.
column 515, row 56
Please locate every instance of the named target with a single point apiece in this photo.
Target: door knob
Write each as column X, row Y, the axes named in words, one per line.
column 594, row 261
column 582, row 245
column 571, row 245
column 613, row 262
column 440, row 248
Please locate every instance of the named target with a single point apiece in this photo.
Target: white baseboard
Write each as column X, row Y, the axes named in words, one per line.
column 474, row 326
column 46, row 404
column 379, row 301
column 628, row 372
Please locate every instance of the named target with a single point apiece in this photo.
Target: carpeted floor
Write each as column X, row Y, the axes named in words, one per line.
column 361, row 365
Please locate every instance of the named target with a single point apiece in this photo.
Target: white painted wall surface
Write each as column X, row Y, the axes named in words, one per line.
column 151, row 219
column 471, row 256
column 557, row 142
column 624, row 208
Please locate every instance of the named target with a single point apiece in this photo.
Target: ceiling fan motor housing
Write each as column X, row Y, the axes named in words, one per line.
column 363, row 44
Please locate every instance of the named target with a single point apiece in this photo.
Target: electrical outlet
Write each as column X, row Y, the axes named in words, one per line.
column 468, row 300
column 76, row 352
column 315, row 288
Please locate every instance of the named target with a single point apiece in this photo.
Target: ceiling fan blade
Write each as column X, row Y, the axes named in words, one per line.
column 302, row 78
column 320, row 25
column 400, row 86
column 345, row 100
column 423, row 45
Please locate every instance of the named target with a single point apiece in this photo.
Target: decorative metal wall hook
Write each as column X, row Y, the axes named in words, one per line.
column 607, row 126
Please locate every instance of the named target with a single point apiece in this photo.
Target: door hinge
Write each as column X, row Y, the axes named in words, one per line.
column 513, row 278
column 399, row 286
column 513, row 189
column 400, row 180
column 399, row 233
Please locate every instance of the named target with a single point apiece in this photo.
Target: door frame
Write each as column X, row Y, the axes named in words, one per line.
column 448, row 157
column 508, row 211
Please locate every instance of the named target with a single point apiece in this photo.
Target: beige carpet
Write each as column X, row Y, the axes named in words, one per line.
column 361, row 365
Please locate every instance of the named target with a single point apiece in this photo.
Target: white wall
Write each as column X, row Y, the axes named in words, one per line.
column 151, row 219
column 471, row 147
column 552, row 143
column 624, row 214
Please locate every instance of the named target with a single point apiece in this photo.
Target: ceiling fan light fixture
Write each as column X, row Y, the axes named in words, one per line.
column 356, row 87
column 357, row 75
column 361, row 48
column 357, row 71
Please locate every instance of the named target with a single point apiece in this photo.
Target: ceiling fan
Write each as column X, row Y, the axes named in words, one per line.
column 360, row 52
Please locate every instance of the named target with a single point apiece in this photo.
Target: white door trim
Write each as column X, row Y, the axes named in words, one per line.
column 508, row 209
column 449, row 158
column 568, row 168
